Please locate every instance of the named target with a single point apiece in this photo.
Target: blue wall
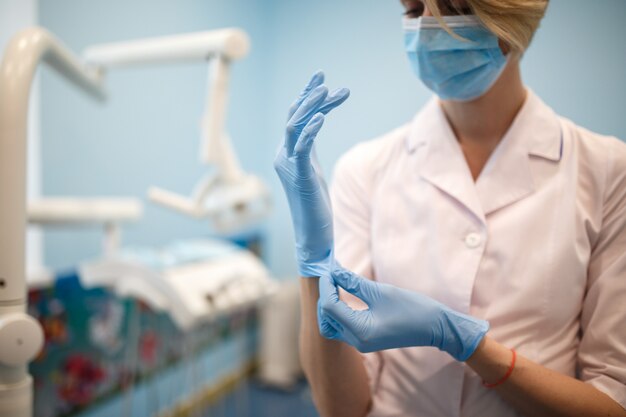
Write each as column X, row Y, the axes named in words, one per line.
column 147, row 133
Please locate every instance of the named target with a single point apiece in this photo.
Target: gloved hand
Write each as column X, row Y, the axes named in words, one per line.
column 395, row 318
column 301, row 176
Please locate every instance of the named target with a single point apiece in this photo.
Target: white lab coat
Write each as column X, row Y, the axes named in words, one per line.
column 536, row 246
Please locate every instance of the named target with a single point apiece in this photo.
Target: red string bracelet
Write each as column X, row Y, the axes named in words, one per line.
column 506, row 376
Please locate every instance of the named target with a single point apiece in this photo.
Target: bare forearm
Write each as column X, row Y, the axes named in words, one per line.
column 334, row 370
column 537, row 391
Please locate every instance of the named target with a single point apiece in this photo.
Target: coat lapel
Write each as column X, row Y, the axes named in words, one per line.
column 443, row 163
column 507, row 177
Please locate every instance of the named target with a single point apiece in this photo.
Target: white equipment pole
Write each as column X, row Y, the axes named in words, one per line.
column 21, row 336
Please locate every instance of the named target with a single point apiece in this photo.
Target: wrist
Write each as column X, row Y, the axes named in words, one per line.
column 493, row 362
column 464, row 335
column 506, row 376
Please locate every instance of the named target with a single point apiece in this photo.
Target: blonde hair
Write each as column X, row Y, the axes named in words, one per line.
column 512, row 21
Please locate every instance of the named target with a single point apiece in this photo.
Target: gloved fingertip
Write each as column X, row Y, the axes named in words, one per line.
column 326, row 329
column 319, row 90
column 318, row 75
column 340, row 274
column 334, row 100
column 330, row 334
column 343, row 91
column 311, row 129
column 316, row 79
column 330, row 324
column 311, row 102
column 317, row 118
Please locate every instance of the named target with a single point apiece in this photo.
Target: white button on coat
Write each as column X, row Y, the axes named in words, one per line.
column 473, row 240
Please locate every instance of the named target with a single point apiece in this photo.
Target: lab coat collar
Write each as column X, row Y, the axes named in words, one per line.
column 539, row 128
column 507, row 176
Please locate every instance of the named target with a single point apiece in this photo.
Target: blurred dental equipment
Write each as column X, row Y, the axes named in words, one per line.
column 279, row 358
column 194, row 281
column 227, row 196
column 63, row 212
column 110, row 213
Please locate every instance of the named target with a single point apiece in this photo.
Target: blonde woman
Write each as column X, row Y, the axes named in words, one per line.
column 474, row 261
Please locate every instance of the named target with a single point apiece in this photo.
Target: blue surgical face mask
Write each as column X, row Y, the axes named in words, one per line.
column 454, row 69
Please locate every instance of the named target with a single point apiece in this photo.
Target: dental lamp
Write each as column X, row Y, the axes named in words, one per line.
column 228, row 196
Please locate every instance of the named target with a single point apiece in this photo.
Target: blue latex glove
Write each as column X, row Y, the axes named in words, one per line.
column 301, row 176
column 395, row 318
